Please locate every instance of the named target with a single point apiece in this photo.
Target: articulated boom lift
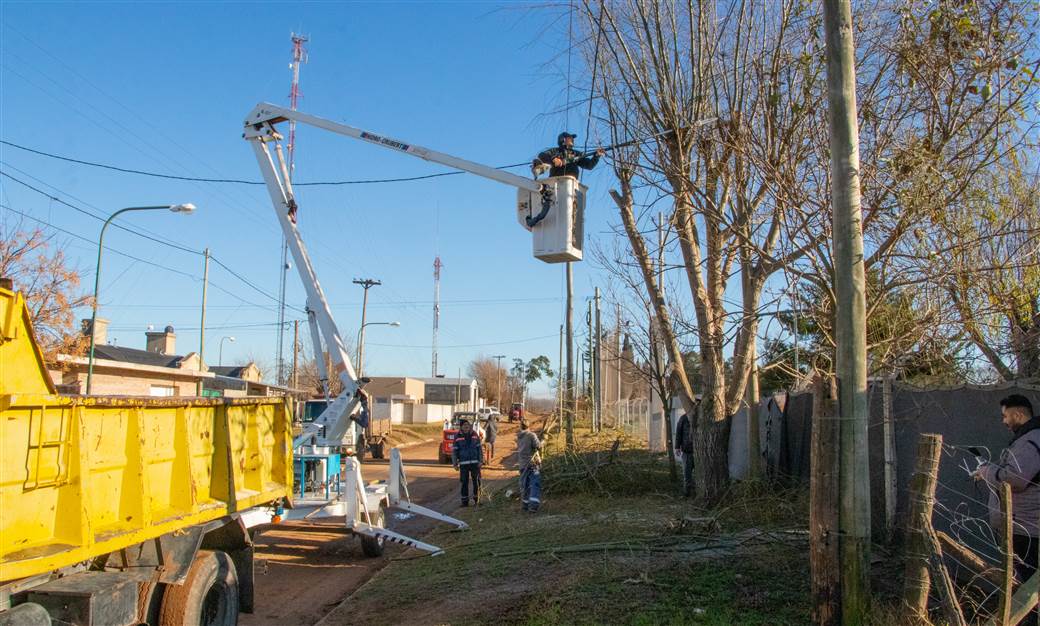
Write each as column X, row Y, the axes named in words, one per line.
column 551, row 209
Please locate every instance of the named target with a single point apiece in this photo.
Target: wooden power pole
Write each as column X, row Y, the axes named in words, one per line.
column 850, row 319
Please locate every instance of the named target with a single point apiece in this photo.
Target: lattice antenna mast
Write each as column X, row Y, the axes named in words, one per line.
column 437, row 265
column 299, row 56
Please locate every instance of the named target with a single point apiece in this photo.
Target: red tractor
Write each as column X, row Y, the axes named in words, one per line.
column 516, row 412
column 452, row 430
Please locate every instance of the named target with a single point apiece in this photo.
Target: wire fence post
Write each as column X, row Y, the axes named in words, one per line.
column 823, row 506
column 1008, row 565
column 890, row 458
column 943, row 584
column 919, row 526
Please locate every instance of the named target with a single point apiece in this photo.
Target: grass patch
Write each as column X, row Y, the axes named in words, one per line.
column 605, row 548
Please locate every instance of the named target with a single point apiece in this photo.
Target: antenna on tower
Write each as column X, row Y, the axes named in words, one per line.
column 299, row 56
column 437, row 265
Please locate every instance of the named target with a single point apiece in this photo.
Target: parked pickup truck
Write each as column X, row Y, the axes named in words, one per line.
column 125, row 510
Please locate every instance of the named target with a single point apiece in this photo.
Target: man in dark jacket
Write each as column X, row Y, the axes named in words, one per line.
column 466, row 458
column 564, row 160
column 1019, row 466
column 684, row 449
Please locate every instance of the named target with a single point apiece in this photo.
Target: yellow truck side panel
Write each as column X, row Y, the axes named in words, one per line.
column 85, row 476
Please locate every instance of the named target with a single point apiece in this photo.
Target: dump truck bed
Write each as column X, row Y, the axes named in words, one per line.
column 85, row 476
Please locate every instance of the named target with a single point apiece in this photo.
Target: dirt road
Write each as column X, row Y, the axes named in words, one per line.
column 305, row 569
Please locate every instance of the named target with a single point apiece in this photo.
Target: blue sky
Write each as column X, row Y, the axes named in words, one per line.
column 165, row 86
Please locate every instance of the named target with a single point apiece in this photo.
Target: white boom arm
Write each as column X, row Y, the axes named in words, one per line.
column 268, row 114
column 260, row 131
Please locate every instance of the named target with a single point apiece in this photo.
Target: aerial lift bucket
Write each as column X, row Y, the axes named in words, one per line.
column 555, row 218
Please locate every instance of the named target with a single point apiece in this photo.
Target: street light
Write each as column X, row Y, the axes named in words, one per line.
column 220, row 353
column 176, row 208
column 360, row 341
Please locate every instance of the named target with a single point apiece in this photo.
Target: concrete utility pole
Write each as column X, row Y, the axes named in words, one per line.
column 202, row 324
column 569, row 387
column 592, row 367
column 295, row 354
column 850, row 318
column 559, row 384
column 498, row 374
column 367, row 283
column 597, row 406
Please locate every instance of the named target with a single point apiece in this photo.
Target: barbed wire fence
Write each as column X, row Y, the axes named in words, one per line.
column 954, row 557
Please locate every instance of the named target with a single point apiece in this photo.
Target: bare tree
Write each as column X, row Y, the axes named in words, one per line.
column 37, row 265
column 720, row 95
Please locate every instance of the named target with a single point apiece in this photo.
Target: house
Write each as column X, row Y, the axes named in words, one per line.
column 155, row 371
column 407, row 400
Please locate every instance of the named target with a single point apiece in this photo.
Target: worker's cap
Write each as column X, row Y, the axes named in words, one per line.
column 564, row 135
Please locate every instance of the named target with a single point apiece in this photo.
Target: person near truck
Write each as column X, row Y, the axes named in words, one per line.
column 491, row 433
column 529, row 459
column 1018, row 466
column 361, row 418
column 564, row 160
column 466, row 458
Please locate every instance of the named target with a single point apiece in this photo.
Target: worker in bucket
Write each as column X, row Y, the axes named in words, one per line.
column 564, row 160
column 529, row 459
column 466, row 458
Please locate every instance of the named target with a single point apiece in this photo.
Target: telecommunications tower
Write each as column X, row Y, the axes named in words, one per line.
column 299, row 56
column 437, row 265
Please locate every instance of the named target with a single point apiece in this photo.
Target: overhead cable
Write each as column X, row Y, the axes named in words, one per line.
column 239, row 181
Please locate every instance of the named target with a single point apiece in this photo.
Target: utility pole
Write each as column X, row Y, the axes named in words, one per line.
column 367, row 283
column 559, row 382
column 569, row 387
column 295, row 354
column 597, row 406
column 592, row 368
column 850, row 314
column 498, row 374
column 202, row 324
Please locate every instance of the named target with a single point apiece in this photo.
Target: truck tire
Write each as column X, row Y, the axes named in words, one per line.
column 371, row 546
column 443, row 458
column 209, row 595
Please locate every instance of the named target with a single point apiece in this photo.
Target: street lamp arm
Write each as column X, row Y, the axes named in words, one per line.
column 176, row 208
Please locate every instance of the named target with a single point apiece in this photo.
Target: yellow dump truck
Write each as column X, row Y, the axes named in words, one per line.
column 119, row 510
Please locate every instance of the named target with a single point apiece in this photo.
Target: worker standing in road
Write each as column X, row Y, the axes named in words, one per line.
column 466, row 457
column 529, row 458
column 490, row 434
column 564, row 160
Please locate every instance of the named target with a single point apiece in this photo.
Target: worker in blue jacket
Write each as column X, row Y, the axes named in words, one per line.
column 467, row 457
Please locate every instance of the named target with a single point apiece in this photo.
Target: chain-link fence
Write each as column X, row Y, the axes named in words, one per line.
column 631, row 416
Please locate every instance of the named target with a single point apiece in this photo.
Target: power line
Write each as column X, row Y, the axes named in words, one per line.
column 88, row 213
column 239, row 181
column 158, row 240
column 468, row 345
column 92, row 242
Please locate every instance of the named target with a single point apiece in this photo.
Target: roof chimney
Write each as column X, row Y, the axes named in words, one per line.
column 100, row 335
column 162, row 343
